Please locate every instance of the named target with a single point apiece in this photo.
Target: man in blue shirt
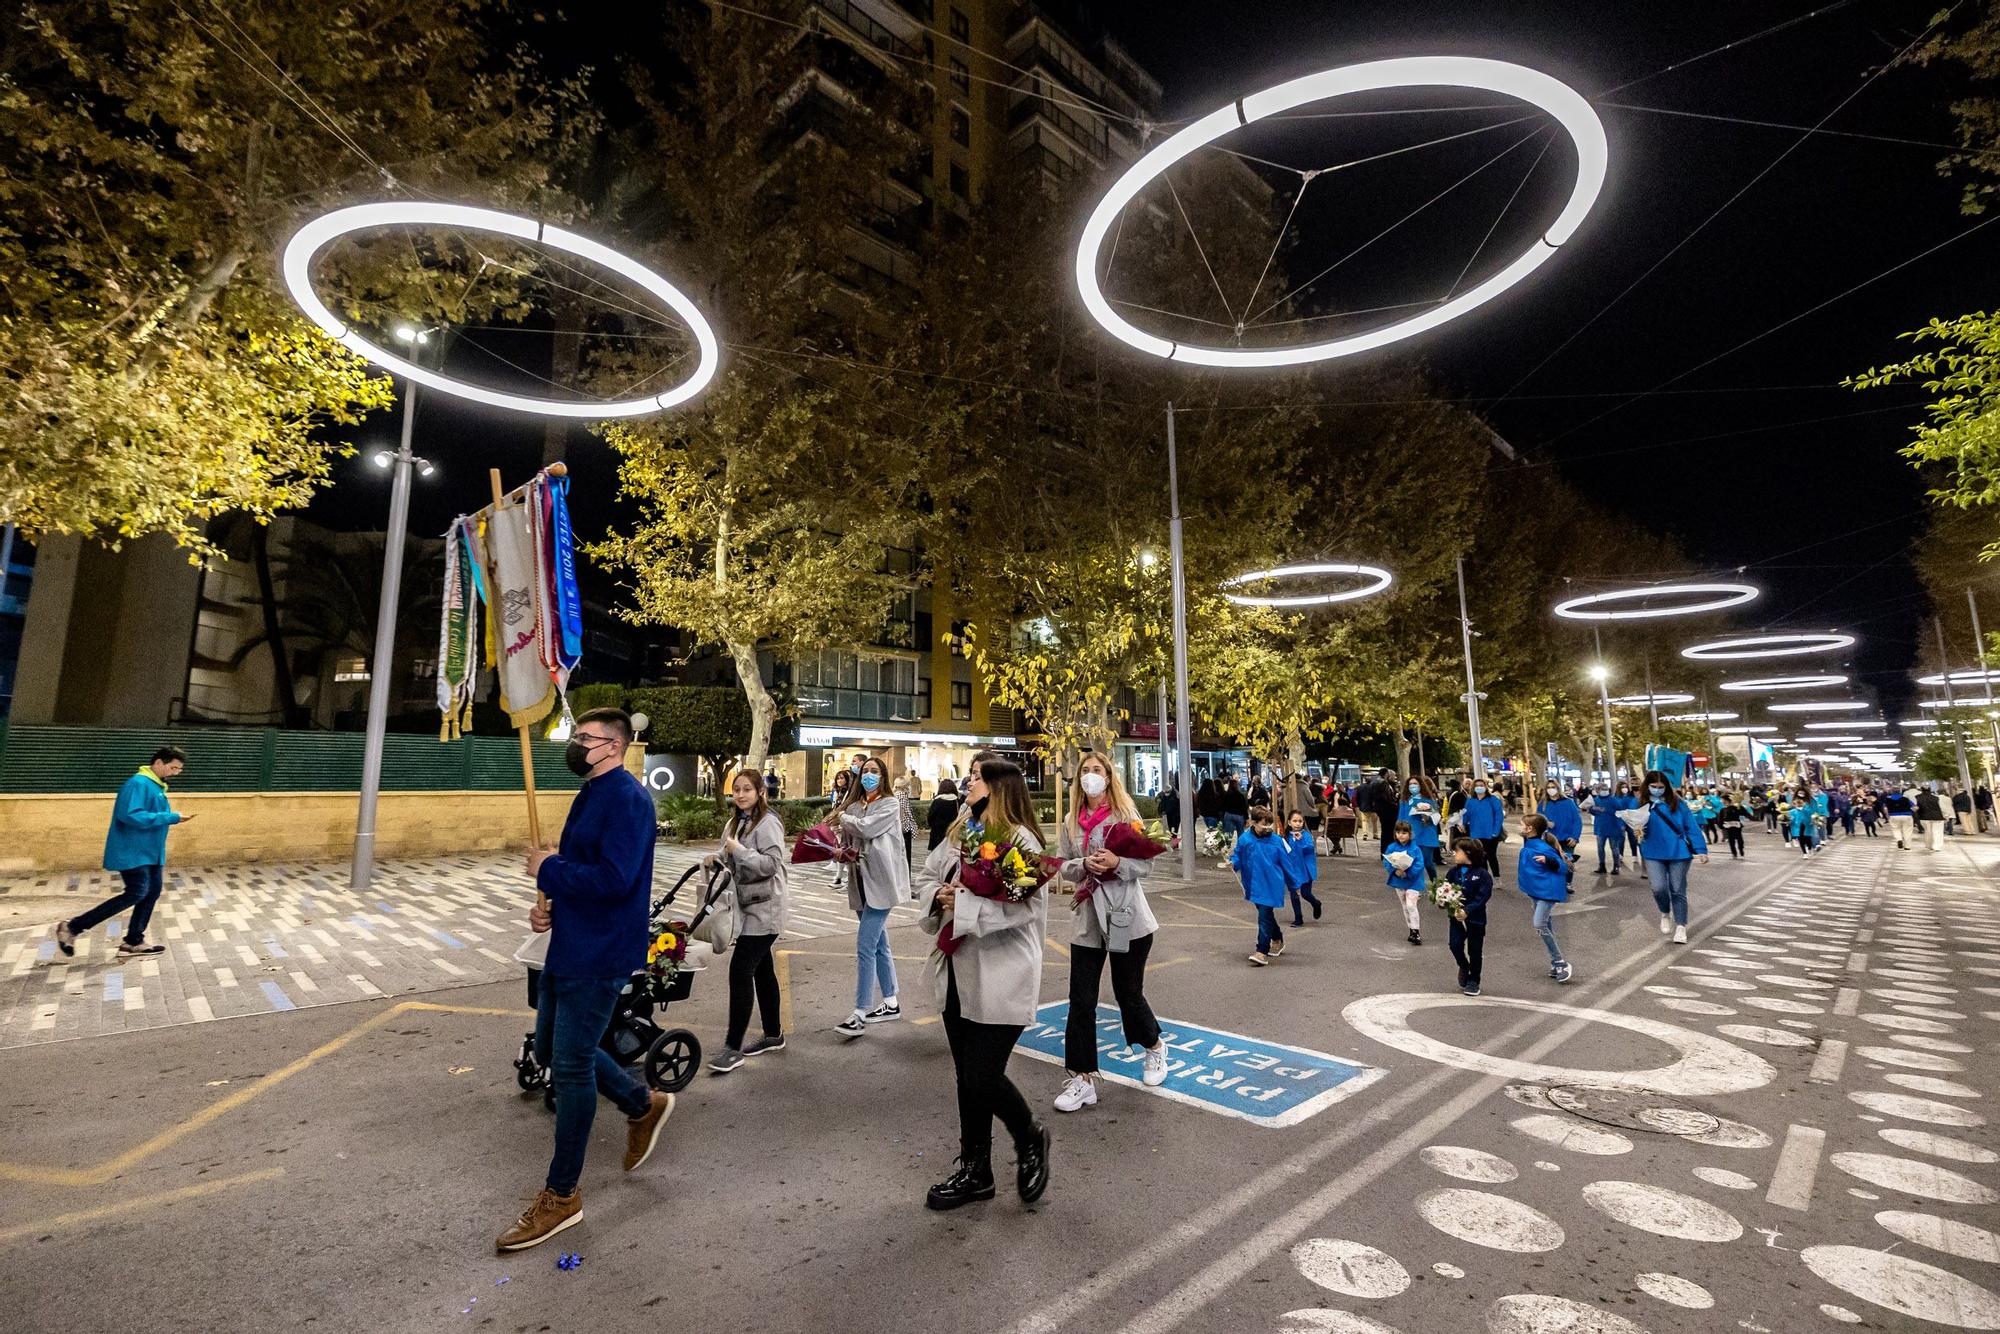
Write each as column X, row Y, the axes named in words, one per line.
column 136, row 847
column 597, row 891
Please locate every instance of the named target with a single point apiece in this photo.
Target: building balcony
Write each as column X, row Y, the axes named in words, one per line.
column 1088, row 139
column 819, row 704
column 864, row 27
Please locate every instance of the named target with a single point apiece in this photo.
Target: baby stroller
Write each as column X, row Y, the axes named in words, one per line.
column 671, row 1055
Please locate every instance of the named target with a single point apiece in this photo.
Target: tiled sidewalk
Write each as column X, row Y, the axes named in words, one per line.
column 257, row 938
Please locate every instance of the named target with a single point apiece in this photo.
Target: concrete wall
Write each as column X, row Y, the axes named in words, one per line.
column 106, row 637
column 66, row 833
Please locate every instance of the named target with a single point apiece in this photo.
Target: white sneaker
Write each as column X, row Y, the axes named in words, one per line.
column 1156, row 1066
column 1078, row 1092
column 1666, row 923
column 1680, row 935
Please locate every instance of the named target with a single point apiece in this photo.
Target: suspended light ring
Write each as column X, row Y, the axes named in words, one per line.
column 1766, row 646
column 1643, row 701
column 1378, row 578
column 1822, row 706
column 1763, row 684
column 1726, row 595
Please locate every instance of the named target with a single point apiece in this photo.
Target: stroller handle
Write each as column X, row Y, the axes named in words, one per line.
column 717, row 883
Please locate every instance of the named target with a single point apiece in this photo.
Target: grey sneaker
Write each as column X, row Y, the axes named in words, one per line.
column 729, row 1059
column 1564, row 972
column 762, row 1045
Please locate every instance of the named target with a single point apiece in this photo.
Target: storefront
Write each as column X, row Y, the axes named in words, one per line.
column 927, row 757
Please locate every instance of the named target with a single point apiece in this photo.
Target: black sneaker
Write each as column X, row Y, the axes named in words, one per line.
column 762, row 1045
column 1315, row 910
column 1031, row 1167
column 727, row 1061
column 1416, row 936
column 884, row 1013
column 65, row 940
column 140, row 948
column 1470, row 988
column 971, row 1182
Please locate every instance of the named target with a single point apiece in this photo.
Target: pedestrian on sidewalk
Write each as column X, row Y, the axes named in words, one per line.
column 753, row 846
column 1170, row 813
column 1961, row 810
column 1731, row 821
column 1208, row 801
column 1902, row 813
column 872, row 824
column 1235, row 808
column 1407, row 881
column 1930, row 819
column 1113, row 924
column 943, row 812
column 1301, row 866
column 1379, row 799
column 1259, row 859
column 1484, row 817
column 1672, row 841
column 987, row 986
column 908, row 813
column 1422, row 812
column 1468, row 924
column 1868, row 808
column 135, row 846
column 1565, row 817
column 598, row 885
column 844, row 791
column 1800, row 826
column 1543, row 874
column 1605, row 825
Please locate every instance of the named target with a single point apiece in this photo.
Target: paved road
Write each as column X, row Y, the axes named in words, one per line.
column 1779, row 1127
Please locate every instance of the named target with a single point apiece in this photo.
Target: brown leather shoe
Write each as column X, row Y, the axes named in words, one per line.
column 548, row 1215
column 644, row 1132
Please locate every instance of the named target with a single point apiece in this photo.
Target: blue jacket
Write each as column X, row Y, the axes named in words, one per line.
column 1543, row 870
column 140, row 819
column 1260, row 865
column 1301, row 858
column 1485, row 817
column 1604, row 821
column 1669, row 834
column 600, row 883
column 1477, row 886
column 1412, row 878
column 1821, row 806
column 1895, row 803
column 1565, row 819
column 1800, row 821
column 1424, row 833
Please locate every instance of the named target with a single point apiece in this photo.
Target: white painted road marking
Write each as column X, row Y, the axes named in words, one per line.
column 1798, row 1164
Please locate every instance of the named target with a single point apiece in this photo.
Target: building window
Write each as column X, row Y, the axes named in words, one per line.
column 350, row 667
column 961, row 128
column 961, row 77
column 961, row 26
column 961, row 181
column 961, row 701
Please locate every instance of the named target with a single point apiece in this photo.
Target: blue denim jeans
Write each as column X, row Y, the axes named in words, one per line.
column 142, row 891
column 1233, row 825
column 872, row 962
column 1616, row 842
column 570, row 1018
column 1545, row 924
column 1670, row 886
column 1267, row 928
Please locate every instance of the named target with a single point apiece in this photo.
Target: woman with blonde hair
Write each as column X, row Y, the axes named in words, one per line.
column 872, row 824
column 988, row 981
column 1112, row 920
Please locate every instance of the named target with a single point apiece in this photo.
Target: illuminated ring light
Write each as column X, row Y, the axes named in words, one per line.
column 1731, row 595
column 1958, row 703
column 1548, row 95
column 1380, row 578
column 1822, row 706
column 1844, row 724
column 1642, row 701
column 1758, row 728
column 1699, row 717
column 315, row 235
column 1773, row 683
column 1766, row 646
column 1983, row 677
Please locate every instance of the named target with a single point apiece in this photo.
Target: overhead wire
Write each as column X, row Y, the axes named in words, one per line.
column 1729, row 46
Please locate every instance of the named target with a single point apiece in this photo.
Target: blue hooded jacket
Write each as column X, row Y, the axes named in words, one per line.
column 1414, row 877
column 139, row 822
column 1565, row 819
column 1670, row 834
column 1424, row 833
column 1260, row 865
column 1800, row 821
column 1604, row 821
column 1301, row 858
column 1543, row 870
column 1485, row 817
column 1477, row 886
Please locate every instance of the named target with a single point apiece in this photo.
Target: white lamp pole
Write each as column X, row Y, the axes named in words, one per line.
column 1951, row 708
column 1183, row 733
column 1600, row 673
column 1471, row 686
column 385, row 645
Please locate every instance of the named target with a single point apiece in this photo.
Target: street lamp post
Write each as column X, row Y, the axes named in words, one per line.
column 1600, row 673
column 385, row 645
column 1471, row 686
column 1951, row 709
column 1183, row 734
column 1978, row 661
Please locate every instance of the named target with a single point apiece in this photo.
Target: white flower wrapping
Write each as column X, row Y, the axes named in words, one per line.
column 1636, row 818
column 1402, row 861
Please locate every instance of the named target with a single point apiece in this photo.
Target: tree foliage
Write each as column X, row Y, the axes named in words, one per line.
column 1959, row 442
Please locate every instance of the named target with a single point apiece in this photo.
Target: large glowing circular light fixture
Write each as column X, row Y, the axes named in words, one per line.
column 1767, row 646
column 322, row 231
column 1641, row 701
column 1822, row 706
column 1759, row 728
column 1591, row 607
column 1982, row 677
column 1699, row 717
column 1763, row 684
column 1550, row 96
column 1376, row 577
column 1957, row 703
column 1846, row 724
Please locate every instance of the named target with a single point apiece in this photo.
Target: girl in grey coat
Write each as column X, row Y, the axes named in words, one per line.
column 753, row 847
column 988, row 986
column 872, row 825
column 1114, row 923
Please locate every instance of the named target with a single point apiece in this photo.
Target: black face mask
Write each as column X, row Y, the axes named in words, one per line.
column 577, row 756
column 979, row 807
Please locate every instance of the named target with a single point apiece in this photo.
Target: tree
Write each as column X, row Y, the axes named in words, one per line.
column 1960, row 440
column 153, row 156
column 1937, row 761
column 712, row 722
column 1974, row 46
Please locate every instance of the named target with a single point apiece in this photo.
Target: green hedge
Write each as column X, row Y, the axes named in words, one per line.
column 687, row 818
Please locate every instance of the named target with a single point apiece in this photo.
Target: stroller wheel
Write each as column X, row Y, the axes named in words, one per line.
column 672, row 1060
column 527, row 1076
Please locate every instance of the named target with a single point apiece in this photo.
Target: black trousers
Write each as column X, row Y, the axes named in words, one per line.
column 979, row 1054
column 752, row 973
column 1734, row 837
column 1128, row 987
column 1492, row 846
column 1468, row 943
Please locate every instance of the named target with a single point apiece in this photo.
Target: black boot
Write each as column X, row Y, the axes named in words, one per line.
column 1416, row 936
column 972, row 1181
column 1031, row 1166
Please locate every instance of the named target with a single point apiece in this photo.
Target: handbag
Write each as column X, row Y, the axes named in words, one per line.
column 719, row 923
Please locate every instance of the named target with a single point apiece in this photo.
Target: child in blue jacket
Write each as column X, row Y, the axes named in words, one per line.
column 1259, row 859
column 1545, row 873
column 1409, row 882
column 1468, row 927
column 1301, row 865
column 1800, row 826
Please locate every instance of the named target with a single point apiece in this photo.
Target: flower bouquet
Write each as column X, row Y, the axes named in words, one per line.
column 1402, row 861
column 1449, row 899
column 665, row 954
column 992, row 866
column 1635, row 818
column 821, row 844
column 1127, row 840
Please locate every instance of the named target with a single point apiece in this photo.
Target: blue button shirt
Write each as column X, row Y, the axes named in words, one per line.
column 600, row 882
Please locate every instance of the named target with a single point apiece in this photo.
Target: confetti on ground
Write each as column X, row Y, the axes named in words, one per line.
column 215, row 1083
column 569, row 1260
column 458, row 1069
column 504, row 1278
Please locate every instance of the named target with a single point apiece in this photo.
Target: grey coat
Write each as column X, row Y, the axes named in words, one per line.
column 998, row 963
column 1125, row 889
column 759, row 865
column 875, row 828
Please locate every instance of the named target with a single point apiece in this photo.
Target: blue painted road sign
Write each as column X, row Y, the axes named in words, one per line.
column 1265, row 1083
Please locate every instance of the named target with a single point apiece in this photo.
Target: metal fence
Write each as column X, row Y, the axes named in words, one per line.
column 54, row 759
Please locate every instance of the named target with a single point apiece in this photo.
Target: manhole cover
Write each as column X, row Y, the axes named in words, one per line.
column 1632, row 1109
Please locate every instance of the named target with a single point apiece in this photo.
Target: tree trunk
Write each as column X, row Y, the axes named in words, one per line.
column 763, row 705
column 1295, row 751
column 274, row 635
column 1403, row 754
column 1537, row 773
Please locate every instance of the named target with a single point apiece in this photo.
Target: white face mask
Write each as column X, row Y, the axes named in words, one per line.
column 1093, row 784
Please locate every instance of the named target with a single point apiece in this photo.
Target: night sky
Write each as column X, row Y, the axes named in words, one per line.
column 1757, row 460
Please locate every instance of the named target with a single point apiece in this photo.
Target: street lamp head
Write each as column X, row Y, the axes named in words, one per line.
column 425, row 468
column 383, row 458
column 406, row 333
column 1599, row 672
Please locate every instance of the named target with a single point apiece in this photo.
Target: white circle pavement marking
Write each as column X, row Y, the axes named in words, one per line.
column 1931, row 1044
column 1770, row 1037
column 1468, row 1164
column 1904, row 1023
column 1489, row 1220
column 1780, row 1005
column 1728, row 1180
column 1350, row 1268
column 1911, row 1176
column 1943, row 1088
column 1707, row 1065
column 1840, row 1313
column 1663, row 1212
column 1444, row 1269
column 1675, row 1291
column 1696, row 1007
column 1566, row 1132
column 1733, row 1135
column 1316, row 1320
column 1938, row 1146
column 1918, row 1109
column 1906, row 1286
column 1911, row 1060
column 1943, row 1234
column 1534, row 1313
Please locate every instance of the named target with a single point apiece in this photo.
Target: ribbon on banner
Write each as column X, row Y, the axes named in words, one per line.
column 458, row 633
